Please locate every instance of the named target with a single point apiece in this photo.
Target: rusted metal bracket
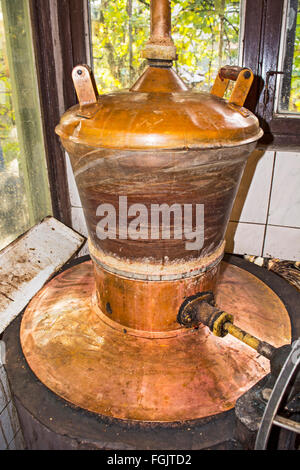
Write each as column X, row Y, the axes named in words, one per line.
column 187, row 315
column 86, row 90
column 243, row 78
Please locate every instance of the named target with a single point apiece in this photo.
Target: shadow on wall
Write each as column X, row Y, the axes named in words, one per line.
column 243, row 193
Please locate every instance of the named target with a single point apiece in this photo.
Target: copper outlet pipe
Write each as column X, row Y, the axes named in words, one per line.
column 201, row 309
column 160, row 45
column 161, row 22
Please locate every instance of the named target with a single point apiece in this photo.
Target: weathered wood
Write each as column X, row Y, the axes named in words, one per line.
column 28, row 262
column 251, row 47
column 262, row 36
column 59, row 39
column 26, row 105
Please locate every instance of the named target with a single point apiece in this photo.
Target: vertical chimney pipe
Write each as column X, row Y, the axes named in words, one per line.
column 161, row 22
column 160, row 45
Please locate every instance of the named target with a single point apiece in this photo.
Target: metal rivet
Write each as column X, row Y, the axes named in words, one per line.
column 247, row 74
column 79, row 72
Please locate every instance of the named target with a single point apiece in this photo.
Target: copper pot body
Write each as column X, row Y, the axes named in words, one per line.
column 158, row 144
column 142, row 283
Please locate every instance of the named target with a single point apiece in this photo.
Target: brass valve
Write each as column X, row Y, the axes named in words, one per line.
column 201, row 308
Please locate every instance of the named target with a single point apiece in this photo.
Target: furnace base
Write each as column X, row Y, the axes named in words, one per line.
column 183, row 375
column 49, row 422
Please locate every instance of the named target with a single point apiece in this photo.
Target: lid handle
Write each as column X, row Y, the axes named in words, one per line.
column 243, row 78
column 85, row 85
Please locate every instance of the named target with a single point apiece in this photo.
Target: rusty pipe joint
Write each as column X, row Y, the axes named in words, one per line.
column 201, row 308
column 160, row 45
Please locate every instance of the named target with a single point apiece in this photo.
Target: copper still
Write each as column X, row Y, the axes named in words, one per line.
column 105, row 335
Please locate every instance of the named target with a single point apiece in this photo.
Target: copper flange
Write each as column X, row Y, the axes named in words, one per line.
column 93, row 363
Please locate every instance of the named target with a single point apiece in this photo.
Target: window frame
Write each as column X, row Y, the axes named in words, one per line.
column 60, row 29
column 25, row 191
column 262, row 43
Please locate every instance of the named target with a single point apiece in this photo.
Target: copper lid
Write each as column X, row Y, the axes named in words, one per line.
column 160, row 111
column 178, row 118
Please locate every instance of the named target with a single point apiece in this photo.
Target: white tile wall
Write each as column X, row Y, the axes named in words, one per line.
column 244, row 238
column 266, row 214
column 285, row 198
column 252, row 201
column 4, row 389
column 9, row 422
column 78, row 223
column 18, row 442
column 271, row 201
column 10, row 433
column 282, row 242
column 74, row 195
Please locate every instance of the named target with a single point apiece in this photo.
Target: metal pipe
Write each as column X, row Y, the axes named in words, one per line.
column 160, row 45
column 161, row 22
column 263, row 348
column 286, row 423
column 201, row 309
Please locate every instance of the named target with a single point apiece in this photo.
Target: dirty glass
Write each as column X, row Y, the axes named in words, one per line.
column 24, row 191
column 289, row 99
column 205, row 32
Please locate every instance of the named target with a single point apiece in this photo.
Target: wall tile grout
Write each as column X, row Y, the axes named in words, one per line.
column 269, row 203
column 249, row 223
column 283, row 226
column 19, row 430
column 3, row 434
column 269, row 225
column 3, row 409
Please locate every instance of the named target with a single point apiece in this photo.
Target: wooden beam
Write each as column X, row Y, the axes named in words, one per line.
column 59, row 36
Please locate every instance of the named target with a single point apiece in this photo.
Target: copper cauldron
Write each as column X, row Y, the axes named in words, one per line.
column 118, row 349
column 158, row 143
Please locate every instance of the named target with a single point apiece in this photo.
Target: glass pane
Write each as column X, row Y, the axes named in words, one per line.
column 289, row 101
column 24, row 191
column 206, row 34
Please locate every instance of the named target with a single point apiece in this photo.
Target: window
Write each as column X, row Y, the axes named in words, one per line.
column 206, row 34
column 260, row 34
column 289, row 61
column 24, row 189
